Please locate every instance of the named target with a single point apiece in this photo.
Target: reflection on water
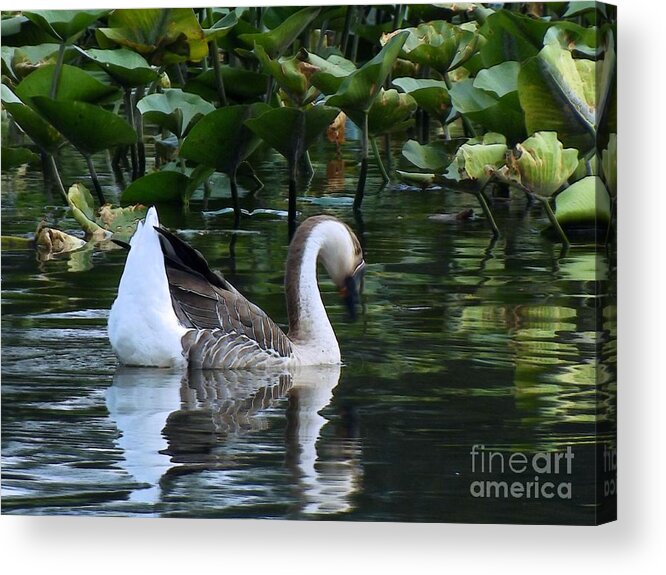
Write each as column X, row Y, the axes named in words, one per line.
column 463, row 340
column 193, row 420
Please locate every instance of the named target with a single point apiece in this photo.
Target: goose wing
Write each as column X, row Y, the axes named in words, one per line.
column 204, row 300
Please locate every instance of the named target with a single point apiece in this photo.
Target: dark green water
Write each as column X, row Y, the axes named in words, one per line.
column 462, row 341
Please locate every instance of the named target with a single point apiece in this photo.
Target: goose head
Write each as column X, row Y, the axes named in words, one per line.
column 337, row 249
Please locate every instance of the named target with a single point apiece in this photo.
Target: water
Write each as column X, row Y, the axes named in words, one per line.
column 462, row 341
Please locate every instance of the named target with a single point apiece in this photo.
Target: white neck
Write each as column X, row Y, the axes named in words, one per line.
column 309, row 327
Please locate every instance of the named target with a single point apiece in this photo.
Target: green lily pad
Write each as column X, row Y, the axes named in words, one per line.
column 125, row 66
column 223, row 141
column 240, row 85
column 441, row 45
column 277, row 40
column 417, row 180
column 542, row 164
column 291, row 131
column 18, row 62
column 289, row 75
column 75, row 84
column 37, row 129
column 431, row 95
column 434, row 156
column 161, row 35
column 559, row 94
column 358, row 91
column 585, row 201
column 609, row 165
column 221, row 28
column 510, row 36
column 14, row 157
column 390, row 112
column 64, row 25
column 575, row 38
column 88, row 127
column 330, row 72
column 491, row 99
column 174, row 109
column 159, row 187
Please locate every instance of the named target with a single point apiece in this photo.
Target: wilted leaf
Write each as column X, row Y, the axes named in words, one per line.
column 478, row 161
column 541, row 164
column 335, row 133
column 329, row 73
column 418, row 180
column 51, row 242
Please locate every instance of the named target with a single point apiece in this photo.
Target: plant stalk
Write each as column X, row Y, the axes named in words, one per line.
column 129, row 110
column 95, row 181
column 214, row 54
column 58, row 69
column 234, row 197
column 487, row 212
column 56, row 174
column 344, row 39
column 553, row 220
column 378, row 158
column 360, row 190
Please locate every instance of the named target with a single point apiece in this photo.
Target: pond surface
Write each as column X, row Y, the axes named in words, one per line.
column 462, row 341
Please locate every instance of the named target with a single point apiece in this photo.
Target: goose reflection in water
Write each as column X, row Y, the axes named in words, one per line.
column 173, row 422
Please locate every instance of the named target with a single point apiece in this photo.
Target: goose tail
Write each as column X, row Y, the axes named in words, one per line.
column 143, row 327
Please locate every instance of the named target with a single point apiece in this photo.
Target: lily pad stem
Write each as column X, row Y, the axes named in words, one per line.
column 215, row 57
column 378, row 157
column 487, row 212
column 234, row 197
column 129, row 111
column 56, row 74
column 95, row 181
column 56, row 174
column 360, row 190
column 553, row 219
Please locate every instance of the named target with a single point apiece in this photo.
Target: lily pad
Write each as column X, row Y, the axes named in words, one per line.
column 290, row 74
column 223, row 141
column 418, row 180
column 434, row 156
column 125, row 66
column 240, row 85
column 64, row 25
column 292, row 131
column 491, row 99
column 358, row 91
column 14, row 157
column 75, row 84
column 89, row 128
column 390, row 112
column 174, row 109
column 542, row 164
column 330, row 72
column 559, row 94
column 431, row 95
column 277, row 40
column 18, row 62
column 38, row 129
column 162, row 35
column 477, row 161
column 440, row 45
column 159, row 187
column 586, row 201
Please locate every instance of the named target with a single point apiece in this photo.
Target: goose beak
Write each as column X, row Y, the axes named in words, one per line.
column 351, row 290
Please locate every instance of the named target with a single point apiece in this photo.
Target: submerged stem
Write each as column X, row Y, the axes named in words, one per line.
column 56, row 174
column 487, row 212
column 553, row 220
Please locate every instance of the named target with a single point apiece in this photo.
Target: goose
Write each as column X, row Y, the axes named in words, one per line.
column 173, row 310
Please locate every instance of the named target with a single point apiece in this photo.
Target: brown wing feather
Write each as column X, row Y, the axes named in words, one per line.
column 203, row 305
